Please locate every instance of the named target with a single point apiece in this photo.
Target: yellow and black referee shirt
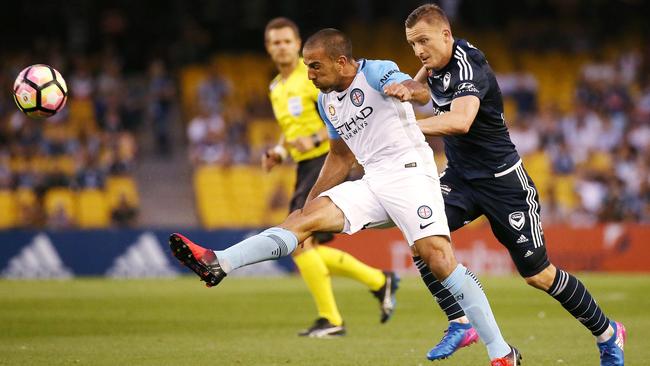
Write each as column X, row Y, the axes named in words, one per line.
column 294, row 105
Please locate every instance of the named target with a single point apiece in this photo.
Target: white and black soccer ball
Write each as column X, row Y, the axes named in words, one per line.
column 40, row 91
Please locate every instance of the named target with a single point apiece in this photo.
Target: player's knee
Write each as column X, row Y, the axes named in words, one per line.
column 436, row 252
column 543, row 280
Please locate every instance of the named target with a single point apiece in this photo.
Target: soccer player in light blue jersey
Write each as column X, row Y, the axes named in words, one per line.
column 363, row 104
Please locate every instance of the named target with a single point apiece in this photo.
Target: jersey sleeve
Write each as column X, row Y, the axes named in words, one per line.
column 382, row 73
column 331, row 131
column 469, row 78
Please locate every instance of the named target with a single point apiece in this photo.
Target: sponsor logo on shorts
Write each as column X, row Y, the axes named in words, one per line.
column 426, row 225
column 528, row 254
column 522, row 239
column 425, row 212
column 517, row 220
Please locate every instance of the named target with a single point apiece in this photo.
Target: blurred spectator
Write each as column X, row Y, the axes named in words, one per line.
column 524, row 136
column 124, row 214
column 59, row 218
column 162, row 93
column 213, row 90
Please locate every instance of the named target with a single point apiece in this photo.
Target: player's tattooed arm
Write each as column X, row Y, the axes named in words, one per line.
column 337, row 166
column 457, row 121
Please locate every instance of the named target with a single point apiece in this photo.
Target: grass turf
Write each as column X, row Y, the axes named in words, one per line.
column 254, row 322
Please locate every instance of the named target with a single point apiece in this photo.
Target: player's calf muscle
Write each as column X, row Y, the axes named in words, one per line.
column 544, row 279
column 318, row 215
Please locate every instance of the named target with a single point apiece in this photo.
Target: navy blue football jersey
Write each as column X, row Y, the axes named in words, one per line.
column 486, row 149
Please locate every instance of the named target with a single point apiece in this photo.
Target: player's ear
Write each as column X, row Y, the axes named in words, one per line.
column 341, row 61
column 446, row 33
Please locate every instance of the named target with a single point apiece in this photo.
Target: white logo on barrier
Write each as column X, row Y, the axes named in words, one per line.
column 39, row 259
column 144, row 258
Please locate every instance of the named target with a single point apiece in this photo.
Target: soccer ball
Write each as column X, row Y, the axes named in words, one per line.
column 40, row 91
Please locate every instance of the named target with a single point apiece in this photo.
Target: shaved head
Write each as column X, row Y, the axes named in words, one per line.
column 333, row 41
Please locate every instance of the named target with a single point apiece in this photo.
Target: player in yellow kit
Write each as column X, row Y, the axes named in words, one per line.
column 304, row 137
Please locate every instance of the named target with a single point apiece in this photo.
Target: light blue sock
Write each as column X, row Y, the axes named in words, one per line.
column 464, row 285
column 272, row 243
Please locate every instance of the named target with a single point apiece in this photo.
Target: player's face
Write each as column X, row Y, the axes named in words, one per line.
column 431, row 43
column 283, row 45
column 321, row 70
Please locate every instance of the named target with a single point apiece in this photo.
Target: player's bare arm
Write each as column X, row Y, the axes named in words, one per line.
column 457, row 121
column 337, row 166
column 408, row 91
column 421, row 76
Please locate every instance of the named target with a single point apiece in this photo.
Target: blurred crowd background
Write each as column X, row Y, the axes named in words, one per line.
column 168, row 111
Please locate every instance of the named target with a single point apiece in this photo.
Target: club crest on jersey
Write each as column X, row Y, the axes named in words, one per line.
column 445, row 81
column 357, row 97
column 425, row 211
column 517, row 220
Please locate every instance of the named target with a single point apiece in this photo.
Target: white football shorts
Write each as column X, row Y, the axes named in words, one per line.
column 412, row 201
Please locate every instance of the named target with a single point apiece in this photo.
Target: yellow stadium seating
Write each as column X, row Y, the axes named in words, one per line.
column 56, row 199
column 539, row 167
column 92, row 209
column 565, row 194
column 261, row 132
column 8, row 209
column 240, row 196
column 118, row 186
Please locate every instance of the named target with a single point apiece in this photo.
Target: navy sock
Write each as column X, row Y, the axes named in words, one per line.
column 443, row 297
column 575, row 298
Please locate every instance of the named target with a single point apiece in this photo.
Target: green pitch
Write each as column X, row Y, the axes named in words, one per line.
column 254, row 322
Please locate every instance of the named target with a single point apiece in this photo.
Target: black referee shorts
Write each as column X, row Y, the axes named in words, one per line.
column 511, row 205
column 307, row 174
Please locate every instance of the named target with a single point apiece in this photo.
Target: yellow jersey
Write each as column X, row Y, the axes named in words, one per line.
column 294, row 105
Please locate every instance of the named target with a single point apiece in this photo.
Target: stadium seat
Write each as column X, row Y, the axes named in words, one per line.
column 262, row 132
column 9, row 216
column 92, row 209
column 121, row 185
column 241, row 196
column 56, row 199
column 565, row 194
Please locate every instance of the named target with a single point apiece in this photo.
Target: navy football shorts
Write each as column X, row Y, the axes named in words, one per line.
column 511, row 205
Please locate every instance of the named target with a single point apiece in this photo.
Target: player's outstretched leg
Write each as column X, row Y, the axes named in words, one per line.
column 459, row 333
column 213, row 266
column 382, row 285
column 200, row 260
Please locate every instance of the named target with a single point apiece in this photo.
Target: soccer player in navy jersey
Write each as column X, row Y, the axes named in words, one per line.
column 485, row 176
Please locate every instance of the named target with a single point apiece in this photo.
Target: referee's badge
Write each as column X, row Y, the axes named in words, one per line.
column 517, row 220
column 295, row 106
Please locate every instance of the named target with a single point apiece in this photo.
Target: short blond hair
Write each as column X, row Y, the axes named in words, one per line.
column 430, row 13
